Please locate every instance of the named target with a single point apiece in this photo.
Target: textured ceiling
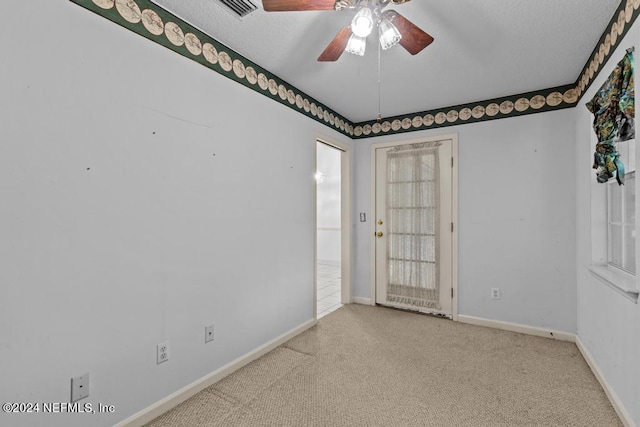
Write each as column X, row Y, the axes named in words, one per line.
column 482, row 50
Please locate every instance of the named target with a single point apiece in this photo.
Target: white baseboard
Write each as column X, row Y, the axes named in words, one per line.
column 613, row 397
column 361, row 300
column 516, row 327
column 173, row 400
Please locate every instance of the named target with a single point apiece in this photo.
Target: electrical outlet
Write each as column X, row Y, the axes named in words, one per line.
column 495, row 293
column 163, row 352
column 79, row 387
column 208, row 333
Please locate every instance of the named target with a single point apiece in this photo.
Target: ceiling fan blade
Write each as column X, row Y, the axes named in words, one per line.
column 337, row 46
column 413, row 38
column 297, row 5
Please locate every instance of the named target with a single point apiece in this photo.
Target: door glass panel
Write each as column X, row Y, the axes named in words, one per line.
column 413, row 225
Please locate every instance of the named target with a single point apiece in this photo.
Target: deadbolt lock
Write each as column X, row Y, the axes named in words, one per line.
column 380, row 222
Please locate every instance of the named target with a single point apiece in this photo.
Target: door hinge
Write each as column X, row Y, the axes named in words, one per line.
column 452, row 227
column 451, row 292
column 452, row 162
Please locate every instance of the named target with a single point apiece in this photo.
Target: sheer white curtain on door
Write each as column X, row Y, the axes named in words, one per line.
column 413, row 225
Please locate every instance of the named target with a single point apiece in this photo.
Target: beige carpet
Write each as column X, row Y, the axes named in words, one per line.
column 372, row 366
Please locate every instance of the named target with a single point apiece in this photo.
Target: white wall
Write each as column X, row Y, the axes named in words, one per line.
column 516, row 218
column 143, row 197
column 608, row 323
column 120, row 229
column 329, row 201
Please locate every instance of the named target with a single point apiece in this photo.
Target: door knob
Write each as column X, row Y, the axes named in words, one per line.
column 379, row 234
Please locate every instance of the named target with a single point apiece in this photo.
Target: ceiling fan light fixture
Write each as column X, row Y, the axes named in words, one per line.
column 388, row 34
column 362, row 23
column 356, row 45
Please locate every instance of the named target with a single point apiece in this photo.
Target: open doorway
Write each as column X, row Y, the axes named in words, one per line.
column 329, row 228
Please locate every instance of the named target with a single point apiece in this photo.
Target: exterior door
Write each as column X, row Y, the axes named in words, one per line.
column 414, row 229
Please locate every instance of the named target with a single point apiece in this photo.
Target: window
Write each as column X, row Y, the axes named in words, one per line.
column 613, row 227
column 621, row 225
column 613, row 206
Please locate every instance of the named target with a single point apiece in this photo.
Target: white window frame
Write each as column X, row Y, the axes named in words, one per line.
column 618, row 279
column 610, row 264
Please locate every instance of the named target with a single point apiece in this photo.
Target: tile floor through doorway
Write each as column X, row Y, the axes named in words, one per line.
column 328, row 289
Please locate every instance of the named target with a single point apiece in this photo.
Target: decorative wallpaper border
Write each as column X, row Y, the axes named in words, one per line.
column 157, row 24
column 618, row 27
column 510, row 106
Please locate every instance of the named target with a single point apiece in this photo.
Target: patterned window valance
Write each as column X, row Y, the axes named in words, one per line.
column 613, row 108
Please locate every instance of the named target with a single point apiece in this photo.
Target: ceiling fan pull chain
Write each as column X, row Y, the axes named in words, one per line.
column 379, row 118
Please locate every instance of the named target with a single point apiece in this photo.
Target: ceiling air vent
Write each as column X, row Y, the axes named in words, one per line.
column 239, row 8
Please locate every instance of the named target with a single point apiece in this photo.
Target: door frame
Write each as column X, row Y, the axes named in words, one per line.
column 346, row 179
column 454, row 212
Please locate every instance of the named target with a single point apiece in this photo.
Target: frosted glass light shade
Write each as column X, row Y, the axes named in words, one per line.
column 362, row 23
column 356, row 45
column 389, row 34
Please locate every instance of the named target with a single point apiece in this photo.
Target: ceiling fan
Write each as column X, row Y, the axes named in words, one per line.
column 393, row 28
